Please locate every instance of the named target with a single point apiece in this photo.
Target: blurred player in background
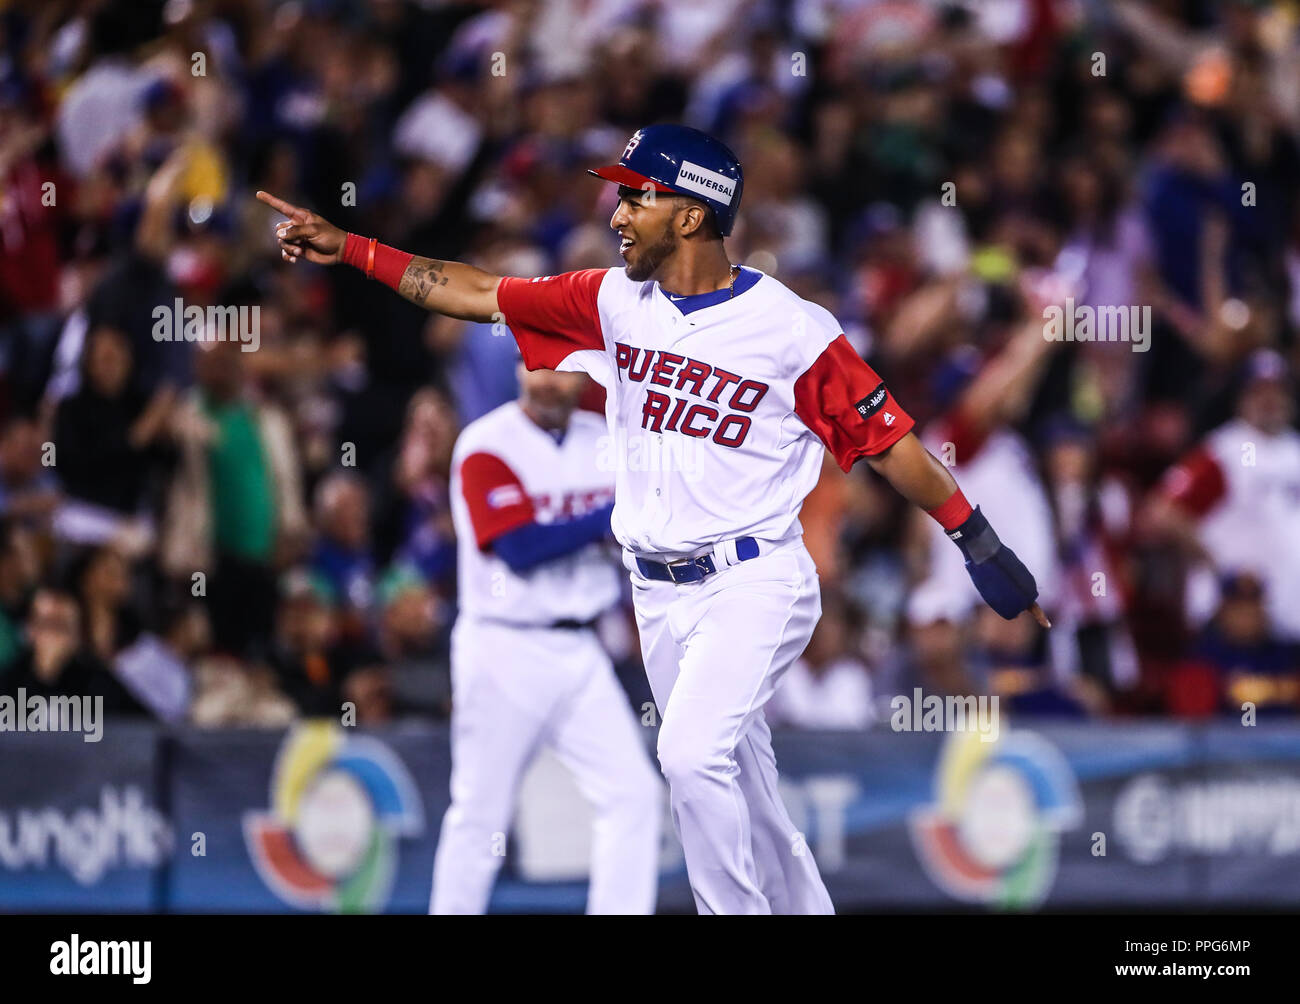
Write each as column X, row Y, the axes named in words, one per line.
column 532, row 508
column 1232, row 500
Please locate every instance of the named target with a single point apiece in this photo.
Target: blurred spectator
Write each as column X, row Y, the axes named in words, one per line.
column 56, row 664
column 935, row 656
column 1238, row 664
column 1010, row 657
column 103, row 580
column 411, row 642
column 109, row 433
column 1089, row 636
column 103, row 104
column 236, row 505
column 421, row 478
column 306, row 655
column 33, row 211
column 829, row 687
column 342, row 556
column 29, row 490
column 370, row 691
column 157, row 667
column 20, row 573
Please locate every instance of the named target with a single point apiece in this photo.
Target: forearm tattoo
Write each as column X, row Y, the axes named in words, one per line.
column 421, row 277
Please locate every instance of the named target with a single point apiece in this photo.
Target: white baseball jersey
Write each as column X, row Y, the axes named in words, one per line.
column 718, row 405
column 1245, row 487
column 506, row 472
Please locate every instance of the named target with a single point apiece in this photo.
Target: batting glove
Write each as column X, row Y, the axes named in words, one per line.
column 1001, row 578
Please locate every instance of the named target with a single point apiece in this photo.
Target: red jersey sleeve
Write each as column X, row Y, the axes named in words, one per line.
column 842, row 400
column 1196, row 483
column 553, row 316
column 495, row 497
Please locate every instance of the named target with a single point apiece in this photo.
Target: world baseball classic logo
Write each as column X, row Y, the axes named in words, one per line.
column 992, row 834
column 340, row 804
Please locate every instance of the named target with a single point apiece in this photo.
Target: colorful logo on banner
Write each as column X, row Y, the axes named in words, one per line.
column 340, row 804
column 992, row 834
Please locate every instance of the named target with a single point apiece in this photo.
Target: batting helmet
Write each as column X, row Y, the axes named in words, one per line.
column 674, row 158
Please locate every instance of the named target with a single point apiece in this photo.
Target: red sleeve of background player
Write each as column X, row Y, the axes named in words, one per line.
column 842, row 399
column 495, row 497
column 1196, row 483
column 553, row 316
column 966, row 436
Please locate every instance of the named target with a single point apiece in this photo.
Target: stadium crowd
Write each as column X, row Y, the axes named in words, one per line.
column 212, row 535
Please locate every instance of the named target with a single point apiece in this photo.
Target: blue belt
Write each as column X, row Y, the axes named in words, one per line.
column 693, row 569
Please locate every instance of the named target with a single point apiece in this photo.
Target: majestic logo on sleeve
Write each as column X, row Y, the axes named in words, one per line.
column 870, row 404
column 717, row 405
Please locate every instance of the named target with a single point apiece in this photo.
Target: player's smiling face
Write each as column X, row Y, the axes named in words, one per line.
column 645, row 222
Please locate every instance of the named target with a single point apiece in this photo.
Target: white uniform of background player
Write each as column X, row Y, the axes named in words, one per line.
column 519, row 683
column 1242, row 486
column 725, row 403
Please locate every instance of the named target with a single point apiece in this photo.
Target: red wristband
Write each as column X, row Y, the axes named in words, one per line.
column 354, row 251
column 377, row 261
column 954, row 512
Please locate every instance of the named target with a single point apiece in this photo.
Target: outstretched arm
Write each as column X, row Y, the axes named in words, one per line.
column 447, row 287
column 1001, row 578
column 844, row 402
column 915, row 473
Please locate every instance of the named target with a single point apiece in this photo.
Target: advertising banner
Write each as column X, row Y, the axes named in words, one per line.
column 324, row 819
column 80, row 824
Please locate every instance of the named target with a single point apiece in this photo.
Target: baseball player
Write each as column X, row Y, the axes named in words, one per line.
column 531, row 508
column 692, row 347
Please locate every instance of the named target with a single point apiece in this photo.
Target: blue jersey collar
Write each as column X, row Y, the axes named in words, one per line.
column 688, row 304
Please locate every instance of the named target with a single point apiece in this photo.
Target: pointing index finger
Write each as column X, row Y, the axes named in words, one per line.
column 279, row 204
column 1039, row 616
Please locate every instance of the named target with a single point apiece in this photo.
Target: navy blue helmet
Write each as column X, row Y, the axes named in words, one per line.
column 675, row 158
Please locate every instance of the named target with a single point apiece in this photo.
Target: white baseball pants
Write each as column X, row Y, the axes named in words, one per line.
column 513, row 690
column 714, row 653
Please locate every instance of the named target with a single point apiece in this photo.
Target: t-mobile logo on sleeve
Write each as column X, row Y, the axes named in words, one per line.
column 870, row 404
